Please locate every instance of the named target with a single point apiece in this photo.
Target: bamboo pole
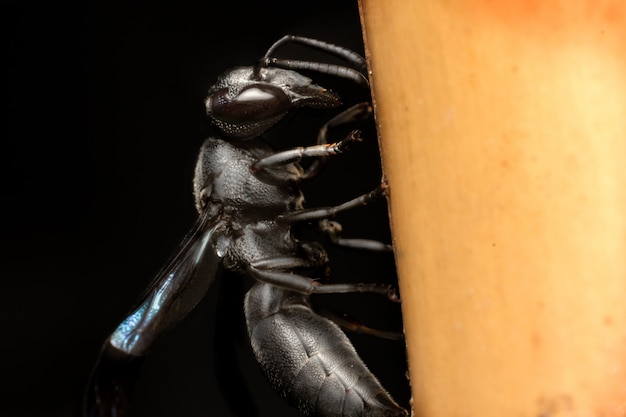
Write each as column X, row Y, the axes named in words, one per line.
column 503, row 136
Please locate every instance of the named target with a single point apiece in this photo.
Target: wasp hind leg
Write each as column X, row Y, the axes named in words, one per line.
column 276, row 271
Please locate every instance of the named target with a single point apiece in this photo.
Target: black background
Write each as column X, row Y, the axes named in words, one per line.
column 103, row 116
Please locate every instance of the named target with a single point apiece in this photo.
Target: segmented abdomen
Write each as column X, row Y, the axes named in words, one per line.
column 309, row 360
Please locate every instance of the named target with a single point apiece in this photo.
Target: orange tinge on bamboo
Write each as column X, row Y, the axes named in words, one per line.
column 503, row 136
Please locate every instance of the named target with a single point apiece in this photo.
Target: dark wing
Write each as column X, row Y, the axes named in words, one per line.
column 175, row 291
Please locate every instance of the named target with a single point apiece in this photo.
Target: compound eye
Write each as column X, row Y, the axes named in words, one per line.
column 255, row 103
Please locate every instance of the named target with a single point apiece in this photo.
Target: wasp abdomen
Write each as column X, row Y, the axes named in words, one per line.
column 309, row 360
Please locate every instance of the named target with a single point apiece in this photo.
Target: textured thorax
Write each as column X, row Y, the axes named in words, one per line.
column 223, row 176
column 249, row 205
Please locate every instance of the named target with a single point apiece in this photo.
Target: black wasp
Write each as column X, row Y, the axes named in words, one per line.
column 248, row 200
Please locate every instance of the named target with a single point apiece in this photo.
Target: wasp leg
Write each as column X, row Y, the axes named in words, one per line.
column 319, row 152
column 276, row 274
column 333, row 229
column 356, row 326
column 296, row 154
column 281, row 263
column 315, row 258
column 358, row 112
column 326, row 212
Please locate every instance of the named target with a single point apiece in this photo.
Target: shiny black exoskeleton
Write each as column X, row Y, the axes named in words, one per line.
column 248, row 198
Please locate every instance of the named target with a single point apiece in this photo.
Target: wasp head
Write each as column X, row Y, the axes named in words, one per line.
column 245, row 102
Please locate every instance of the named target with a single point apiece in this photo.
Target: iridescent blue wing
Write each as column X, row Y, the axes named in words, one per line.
column 175, row 291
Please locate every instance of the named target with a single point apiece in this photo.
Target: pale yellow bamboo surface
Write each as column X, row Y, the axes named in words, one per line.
column 503, row 135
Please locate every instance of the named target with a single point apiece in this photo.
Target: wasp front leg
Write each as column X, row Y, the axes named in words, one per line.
column 293, row 155
column 320, row 152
